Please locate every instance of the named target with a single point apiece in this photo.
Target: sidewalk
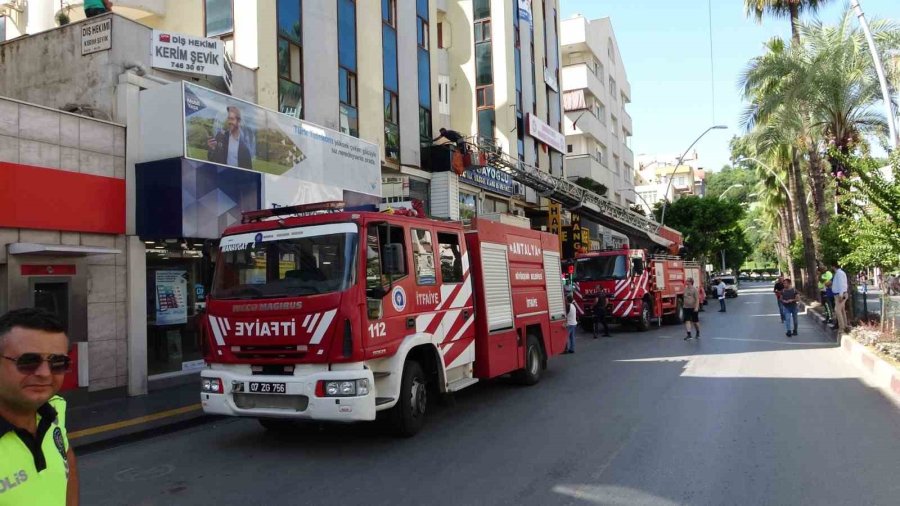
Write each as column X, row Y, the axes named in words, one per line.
column 91, row 422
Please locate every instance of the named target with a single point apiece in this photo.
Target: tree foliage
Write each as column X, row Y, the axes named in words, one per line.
column 590, row 184
column 718, row 183
column 709, row 226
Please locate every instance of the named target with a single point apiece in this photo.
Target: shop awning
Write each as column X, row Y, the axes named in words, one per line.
column 30, row 248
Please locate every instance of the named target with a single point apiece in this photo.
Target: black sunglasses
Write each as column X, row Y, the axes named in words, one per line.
column 29, row 363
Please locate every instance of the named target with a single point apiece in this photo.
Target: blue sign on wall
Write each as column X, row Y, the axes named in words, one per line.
column 489, row 178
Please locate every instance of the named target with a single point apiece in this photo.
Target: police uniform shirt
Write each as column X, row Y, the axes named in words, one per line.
column 35, row 469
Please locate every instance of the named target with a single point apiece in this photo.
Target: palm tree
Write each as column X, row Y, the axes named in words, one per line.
column 781, row 8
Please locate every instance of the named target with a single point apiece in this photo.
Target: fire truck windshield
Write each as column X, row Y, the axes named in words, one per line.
column 601, row 267
column 307, row 261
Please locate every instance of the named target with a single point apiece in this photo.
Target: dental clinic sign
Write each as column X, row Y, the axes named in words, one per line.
column 176, row 52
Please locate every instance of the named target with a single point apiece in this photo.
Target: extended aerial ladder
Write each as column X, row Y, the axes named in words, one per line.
column 641, row 230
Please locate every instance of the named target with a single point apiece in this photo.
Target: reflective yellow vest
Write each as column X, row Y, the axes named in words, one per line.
column 35, row 470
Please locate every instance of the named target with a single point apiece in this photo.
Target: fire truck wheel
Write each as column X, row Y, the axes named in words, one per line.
column 678, row 316
column 531, row 374
column 409, row 412
column 643, row 322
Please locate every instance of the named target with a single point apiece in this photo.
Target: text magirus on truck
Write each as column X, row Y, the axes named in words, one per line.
column 323, row 313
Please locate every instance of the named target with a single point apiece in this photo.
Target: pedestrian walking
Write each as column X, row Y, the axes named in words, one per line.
column 789, row 300
column 572, row 323
column 779, row 287
column 720, row 292
column 599, row 313
column 691, row 309
column 702, row 292
column 841, row 288
column 37, row 465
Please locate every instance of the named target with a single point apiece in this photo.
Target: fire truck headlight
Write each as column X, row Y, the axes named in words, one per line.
column 348, row 388
column 332, row 388
column 211, row 386
column 362, row 387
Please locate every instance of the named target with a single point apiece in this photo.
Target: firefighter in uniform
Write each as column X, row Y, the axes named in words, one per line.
column 37, row 465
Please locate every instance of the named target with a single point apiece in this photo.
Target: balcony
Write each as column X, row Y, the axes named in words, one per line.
column 585, row 124
column 579, row 76
column 588, row 166
column 626, row 122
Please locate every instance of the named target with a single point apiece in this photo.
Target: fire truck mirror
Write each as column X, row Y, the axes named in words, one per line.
column 637, row 266
column 393, row 259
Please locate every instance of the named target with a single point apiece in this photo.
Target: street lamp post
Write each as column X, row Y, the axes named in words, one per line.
column 879, row 71
column 662, row 221
column 735, row 185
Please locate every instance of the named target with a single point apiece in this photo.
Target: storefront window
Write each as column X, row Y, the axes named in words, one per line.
column 468, row 206
column 178, row 275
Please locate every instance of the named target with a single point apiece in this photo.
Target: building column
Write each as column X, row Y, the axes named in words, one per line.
column 136, row 309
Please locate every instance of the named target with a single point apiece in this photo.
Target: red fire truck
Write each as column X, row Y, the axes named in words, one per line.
column 324, row 313
column 639, row 286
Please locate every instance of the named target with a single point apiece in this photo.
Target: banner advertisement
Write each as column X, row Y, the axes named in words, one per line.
column 177, row 52
column 554, row 219
column 171, row 297
column 545, row 133
column 489, row 178
column 231, row 132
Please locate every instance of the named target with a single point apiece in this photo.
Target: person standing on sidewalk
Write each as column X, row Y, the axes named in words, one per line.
column 37, row 465
column 571, row 323
column 840, row 287
column 824, row 279
column 599, row 313
column 720, row 292
column 691, row 308
column 779, row 287
column 789, row 299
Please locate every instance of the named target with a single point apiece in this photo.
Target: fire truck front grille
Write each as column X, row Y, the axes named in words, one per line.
column 279, row 352
column 271, row 401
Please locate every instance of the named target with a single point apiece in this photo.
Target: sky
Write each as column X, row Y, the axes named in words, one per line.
column 665, row 47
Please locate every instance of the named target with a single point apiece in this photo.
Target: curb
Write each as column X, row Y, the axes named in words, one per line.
column 820, row 320
column 104, row 436
column 876, row 370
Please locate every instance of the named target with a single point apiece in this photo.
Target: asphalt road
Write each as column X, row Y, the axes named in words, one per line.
column 745, row 416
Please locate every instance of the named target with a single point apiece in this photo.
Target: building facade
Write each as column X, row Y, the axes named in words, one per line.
column 655, row 172
column 389, row 73
column 596, row 92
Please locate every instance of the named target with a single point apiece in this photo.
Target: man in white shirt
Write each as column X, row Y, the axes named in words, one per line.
column 840, row 288
column 720, row 292
column 572, row 323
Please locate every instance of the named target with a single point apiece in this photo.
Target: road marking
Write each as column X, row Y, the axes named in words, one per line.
column 134, row 421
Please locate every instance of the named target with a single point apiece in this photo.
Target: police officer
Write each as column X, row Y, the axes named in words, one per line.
column 37, row 465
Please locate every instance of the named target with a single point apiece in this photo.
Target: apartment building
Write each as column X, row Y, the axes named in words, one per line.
column 655, row 173
column 596, row 90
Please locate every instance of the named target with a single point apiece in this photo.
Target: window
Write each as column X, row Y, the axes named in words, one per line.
column 424, row 78
column 347, row 79
column 423, row 256
column 451, row 257
column 614, row 126
column 389, row 12
column 376, row 239
column 390, row 58
column 219, row 16
column 612, row 88
column 482, row 9
column 468, row 206
column 444, row 94
column 425, row 125
column 422, row 32
column 568, row 148
column 485, row 96
column 482, row 31
column 483, row 71
column 440, row 36
column 391, row 125
column 486, row 124
column 290, row 57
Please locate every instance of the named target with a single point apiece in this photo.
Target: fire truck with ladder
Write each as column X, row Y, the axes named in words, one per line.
column 641, row 287
column 322, row 312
